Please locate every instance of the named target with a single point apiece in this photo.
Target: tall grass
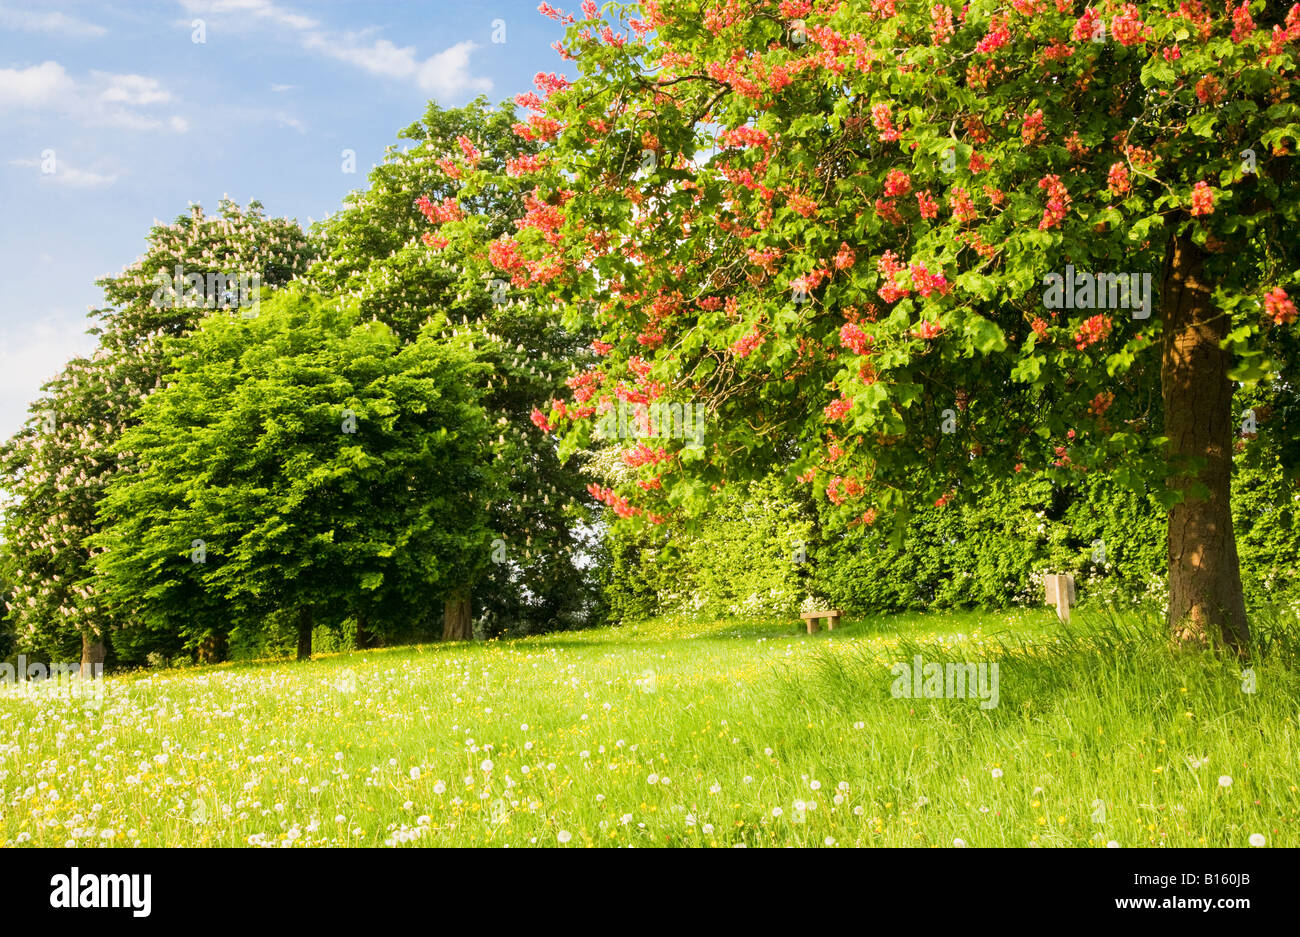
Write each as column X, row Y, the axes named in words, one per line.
column 678, row 733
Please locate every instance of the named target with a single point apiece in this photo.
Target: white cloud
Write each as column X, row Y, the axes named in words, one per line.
column 130, row 89
column 103, row 98
column 278, row 88
column 69, row 176
column 37, row 86
column 447, row 73
column 257, row 9
column 444, row 75
column 269, row 115
column 52, row 22
column 30, row 355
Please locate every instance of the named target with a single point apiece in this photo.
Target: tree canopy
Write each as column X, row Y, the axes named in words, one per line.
column 303, row 460
column 903, row 248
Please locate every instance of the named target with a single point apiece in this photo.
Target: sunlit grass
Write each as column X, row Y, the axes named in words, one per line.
column 676, row 733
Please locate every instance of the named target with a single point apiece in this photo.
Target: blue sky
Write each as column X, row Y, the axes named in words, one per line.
column 143, row 120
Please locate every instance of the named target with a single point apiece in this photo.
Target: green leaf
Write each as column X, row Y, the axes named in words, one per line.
column 1203, row 124
column 984, row 335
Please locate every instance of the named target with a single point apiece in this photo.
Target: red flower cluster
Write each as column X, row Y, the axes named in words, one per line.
column 1085, row 27
column 841, row 489
column 810, row 281
column 549, row 83
column 471, row 153
column 1101, row 403
column 583, row 385
column 838, row 409
column 1055, row 52
column 1127, row 26
column 543, row 216
column 1202, row 199
column 1031, row 131
column 1058, row 201
column 746, row 137
column 1242, row 24
column 746, row 344
column 539, row 420
column 941, row 24
column 1092, row 331
column 800, row 203
column 518, row 166
column 928, row 330
column 1117, row 180
column 897, row 183
column 963, row 209
column 927, row 282
column 925, row 201
column 889, row 268
column 537, row 128
column 997, row 36
column 503, row 253
column 888, row 210
column 644, row 455
column 853, row 338
column 1209, row 91
column 547, row 10
column 1279, row 307
column 608, row 497
column 883, row 122
column 447, row 210
column 845, row 258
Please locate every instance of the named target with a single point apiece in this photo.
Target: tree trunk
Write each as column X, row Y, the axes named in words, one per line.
column 213, row 649
column 1205, row 595
column 455, row 618
column 93, row 652
column 304, row 633
column 365, row 639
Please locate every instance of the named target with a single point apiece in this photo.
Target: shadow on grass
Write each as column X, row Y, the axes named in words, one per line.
column 1095, row 670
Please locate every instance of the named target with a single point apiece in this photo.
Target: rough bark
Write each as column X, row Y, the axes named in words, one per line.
column 93, row 651
column 1205, row 594
column 456, row 624
column 365, row 638
column 304, row 633
column 213, row 649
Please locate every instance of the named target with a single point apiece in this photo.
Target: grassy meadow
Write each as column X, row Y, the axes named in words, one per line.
column 671, row 733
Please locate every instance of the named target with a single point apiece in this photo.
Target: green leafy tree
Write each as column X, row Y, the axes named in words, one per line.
column 303, row 460
column 377, row 250
column 54, row 470
column 1060, row 228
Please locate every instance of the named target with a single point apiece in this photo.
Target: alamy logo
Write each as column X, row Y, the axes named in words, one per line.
column 56, row 679
column 920, row 680
column 1077, row 290
column 102, row 891
column 213, row 291
column 660, row 420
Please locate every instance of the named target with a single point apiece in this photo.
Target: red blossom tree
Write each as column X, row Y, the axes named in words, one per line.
column 834, row 222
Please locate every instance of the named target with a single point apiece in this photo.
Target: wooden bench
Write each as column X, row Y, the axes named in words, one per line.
column 832, row 616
